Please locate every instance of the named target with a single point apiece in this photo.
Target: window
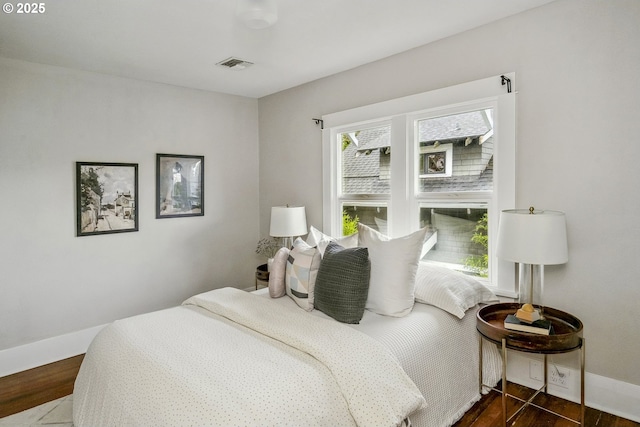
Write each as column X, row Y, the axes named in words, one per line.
column 452, row 171
column 457, row 236
column 456, row 161
column 365, row 161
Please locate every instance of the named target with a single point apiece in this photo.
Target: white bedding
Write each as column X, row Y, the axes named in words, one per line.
column 190, row 366
column 439, row 352
column 229, row 358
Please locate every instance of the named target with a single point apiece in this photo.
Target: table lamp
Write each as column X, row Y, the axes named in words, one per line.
column 288, row 222
column 532, row 238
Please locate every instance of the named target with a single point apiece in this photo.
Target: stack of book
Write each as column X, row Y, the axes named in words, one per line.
column 541, row 326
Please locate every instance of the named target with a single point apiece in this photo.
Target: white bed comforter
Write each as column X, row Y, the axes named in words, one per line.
column 250, row 362
column 438, row 351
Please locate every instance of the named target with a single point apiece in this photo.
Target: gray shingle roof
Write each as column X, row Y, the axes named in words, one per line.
column 361, row 159
column 360, row 171
column 472, row 124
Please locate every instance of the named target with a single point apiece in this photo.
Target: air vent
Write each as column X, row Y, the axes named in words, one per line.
column 235, row 63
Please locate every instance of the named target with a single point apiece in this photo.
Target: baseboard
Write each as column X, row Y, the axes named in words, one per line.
column 602, row 393
column 28, row 356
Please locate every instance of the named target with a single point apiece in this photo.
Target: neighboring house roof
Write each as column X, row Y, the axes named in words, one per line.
column 361, row 159
column 459, row 126
column 372, row 139
column 361, row 162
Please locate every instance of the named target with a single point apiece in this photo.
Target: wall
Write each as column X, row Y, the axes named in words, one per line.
column 54, row 283
column 576, row 65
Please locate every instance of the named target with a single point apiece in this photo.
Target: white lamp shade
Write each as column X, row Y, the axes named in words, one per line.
column 532, row 238
column 288, row 221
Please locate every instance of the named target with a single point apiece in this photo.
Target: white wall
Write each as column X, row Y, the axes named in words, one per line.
column 576, row 65
column 53, row 283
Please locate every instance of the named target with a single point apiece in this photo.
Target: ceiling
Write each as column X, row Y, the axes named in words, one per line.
column 179, row 42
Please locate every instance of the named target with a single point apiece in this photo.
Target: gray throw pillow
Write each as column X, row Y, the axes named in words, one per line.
column 342, row 284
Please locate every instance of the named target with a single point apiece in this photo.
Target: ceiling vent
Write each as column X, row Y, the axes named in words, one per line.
column 235, row 63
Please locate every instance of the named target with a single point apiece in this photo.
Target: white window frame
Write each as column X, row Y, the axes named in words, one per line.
column 404, row 201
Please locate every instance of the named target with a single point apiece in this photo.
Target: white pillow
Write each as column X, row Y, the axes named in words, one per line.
column 277, row 273
column 393, row 270
column 302, row 269
column 449, row 290
column 317, row 238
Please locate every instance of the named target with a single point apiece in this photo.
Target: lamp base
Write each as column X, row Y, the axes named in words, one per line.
column 531, row 285
column 288, row 242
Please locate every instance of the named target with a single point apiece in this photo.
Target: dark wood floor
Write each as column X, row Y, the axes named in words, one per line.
column 488, row 412
column 39, row 385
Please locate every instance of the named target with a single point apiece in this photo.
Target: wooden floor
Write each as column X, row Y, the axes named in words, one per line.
column 36, row 386
column 488, row 412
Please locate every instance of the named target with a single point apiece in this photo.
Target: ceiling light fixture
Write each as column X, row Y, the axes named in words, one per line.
column 257, row 14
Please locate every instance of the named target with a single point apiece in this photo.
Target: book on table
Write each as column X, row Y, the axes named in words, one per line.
column 542, row 326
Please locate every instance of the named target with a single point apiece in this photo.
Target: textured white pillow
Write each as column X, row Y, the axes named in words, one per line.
column 449, row 290
column 302, row 269
column 393, row 270
column 317, row 238
column 277, row 273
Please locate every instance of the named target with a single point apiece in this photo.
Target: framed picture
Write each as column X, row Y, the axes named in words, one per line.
column 179, row 185
column 106, row 198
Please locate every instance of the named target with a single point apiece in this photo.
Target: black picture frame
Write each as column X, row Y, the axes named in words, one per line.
column 106, row 198
column 179, row 185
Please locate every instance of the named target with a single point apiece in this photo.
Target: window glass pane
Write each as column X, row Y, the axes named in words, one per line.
column 457, row 238
column 366, row 160
column 456, row 152
column 372, row 216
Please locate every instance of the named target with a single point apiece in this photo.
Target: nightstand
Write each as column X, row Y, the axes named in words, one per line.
column 567, row 337
column 262, row 276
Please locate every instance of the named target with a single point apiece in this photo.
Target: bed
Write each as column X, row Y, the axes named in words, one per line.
column 233, row 358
